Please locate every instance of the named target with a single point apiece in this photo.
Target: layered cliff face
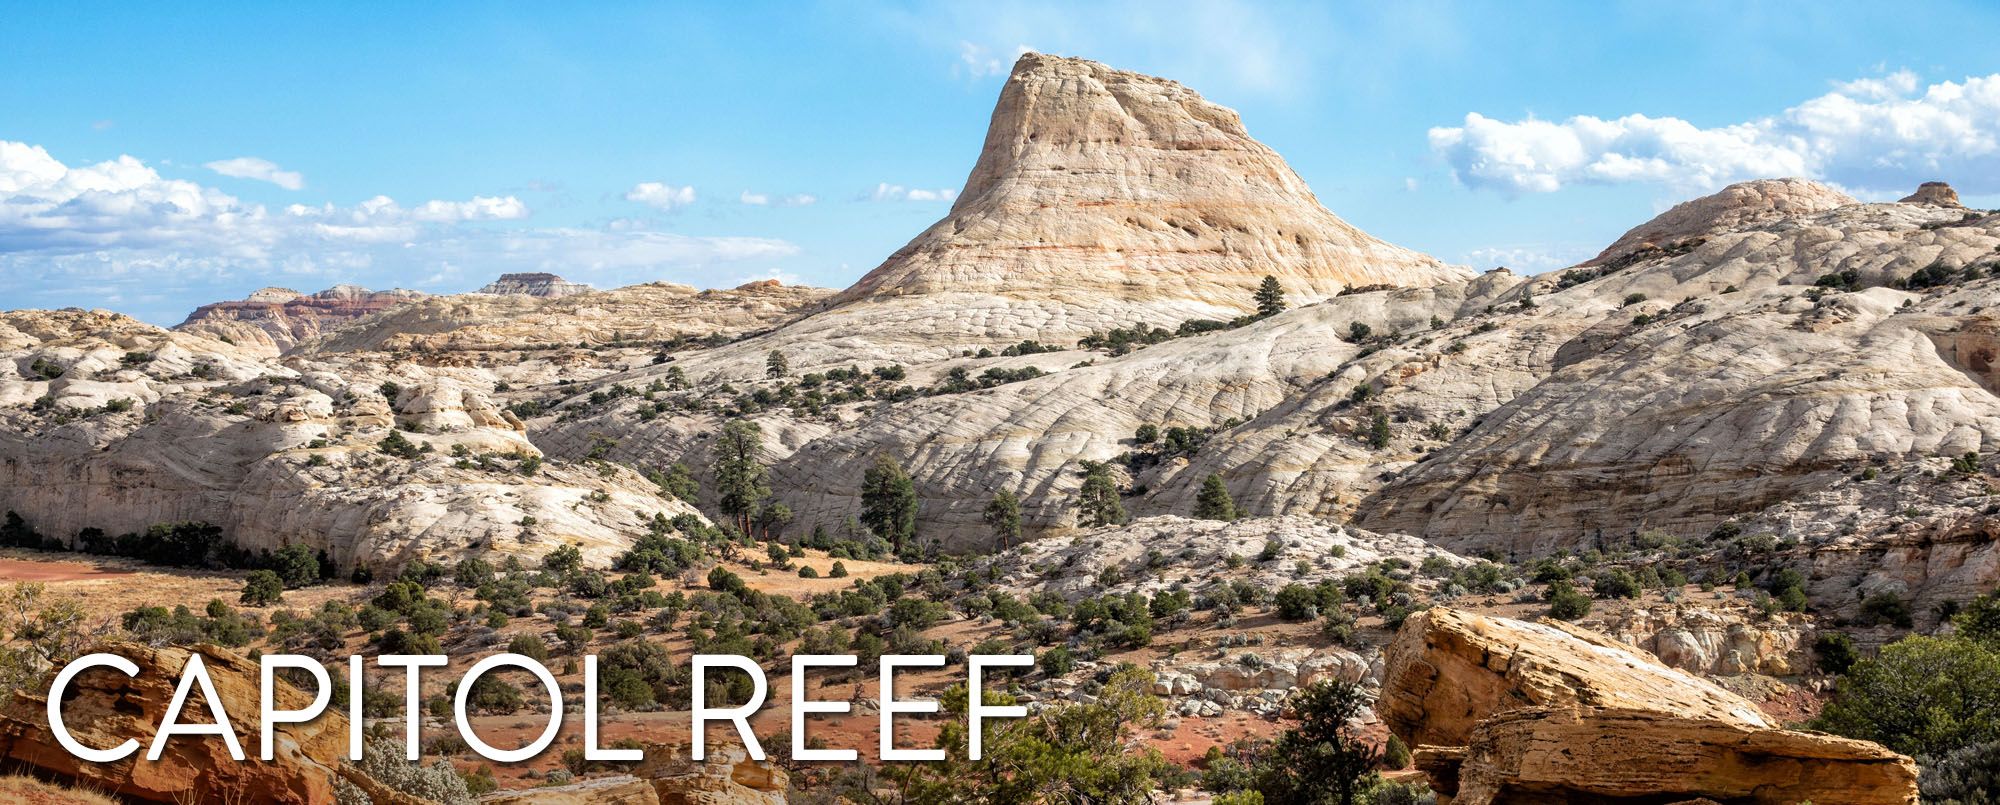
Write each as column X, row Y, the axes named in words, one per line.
column 539, row 284
column 111, row 424
column 271, row 320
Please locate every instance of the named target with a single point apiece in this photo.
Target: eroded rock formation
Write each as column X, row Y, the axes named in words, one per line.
column 1503, row 711
column 103, row 708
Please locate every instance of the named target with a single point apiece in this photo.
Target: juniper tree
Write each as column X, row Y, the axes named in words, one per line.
column 889, row 502
column 1003, row 513
column 1213, row 502
column 1270, row 297
column 774, row 364
column 741, row 484
column 1097, row 502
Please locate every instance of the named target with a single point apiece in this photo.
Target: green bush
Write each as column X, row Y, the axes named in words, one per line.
column 1928, row 696
column 1566, row 603
column 262, row 588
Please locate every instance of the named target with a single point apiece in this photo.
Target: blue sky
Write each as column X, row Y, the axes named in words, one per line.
column 154, row 158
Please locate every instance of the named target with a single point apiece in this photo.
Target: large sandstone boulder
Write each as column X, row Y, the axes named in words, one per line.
column 105, row 707
column 1588, row 755
column 1449, row 669
column 1504, row 711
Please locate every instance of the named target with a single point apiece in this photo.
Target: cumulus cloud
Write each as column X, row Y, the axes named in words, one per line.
column 1872, row 135
column 661, row 196
column 86, row 234
column 262, row 170
column 1529, row 259
column 767, row 200
column 895, row 192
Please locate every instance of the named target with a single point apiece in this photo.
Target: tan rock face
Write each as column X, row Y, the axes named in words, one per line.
column 1564, row 755
column 1096, row 182
column 726, row 777
column 1717, row 641
column 1504, row 711
column 103, row 708
column 1448, row 669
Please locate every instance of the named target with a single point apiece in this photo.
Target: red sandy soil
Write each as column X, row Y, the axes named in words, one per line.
column 12, row 570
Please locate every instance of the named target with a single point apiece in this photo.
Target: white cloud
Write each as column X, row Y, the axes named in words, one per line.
column 661, row 196
column 1879, row 134
column 1529, row 259
column 979, row 61
column 262, row 170
column 81, row 235
column 895, row 192
column 765, row 199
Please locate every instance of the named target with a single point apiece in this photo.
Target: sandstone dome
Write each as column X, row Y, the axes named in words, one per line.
column 1734, row 207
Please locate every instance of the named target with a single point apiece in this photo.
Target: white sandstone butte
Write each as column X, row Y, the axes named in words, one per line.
column 1101, row 199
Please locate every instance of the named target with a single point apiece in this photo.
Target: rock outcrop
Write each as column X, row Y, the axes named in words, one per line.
column 1936, row 194
column 104, row 708
column 1503, row 711
column 726, row 777
column 535, row 283
column 125, row 426
column 1738, row 206
column 271, row 320
column 1154, row 554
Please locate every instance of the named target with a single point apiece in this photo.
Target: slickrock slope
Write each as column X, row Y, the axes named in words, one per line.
column 1737, row 206
column 1028, row 436
column 1503, row 711
column 537, row 284
column 104, row 708
column 111, row 424
column 638, row 315
column 271, row 320
column 1677, row 390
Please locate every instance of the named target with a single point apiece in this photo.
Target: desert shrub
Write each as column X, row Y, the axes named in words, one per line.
column 1927, row 696
column 1833, row 652
column 1886, row 608
column 1969, row 775
column 382, row 759
column 1566, row 603
column 1617, row 583
column 262, row 588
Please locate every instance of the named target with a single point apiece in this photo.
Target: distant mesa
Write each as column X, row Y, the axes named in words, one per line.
column 1934, row 193
column 537, row 283
column 272, row 320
